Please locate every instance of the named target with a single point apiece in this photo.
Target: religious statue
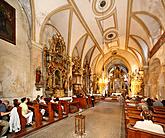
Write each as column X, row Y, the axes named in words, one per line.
column 49, row 80
column 38, row 75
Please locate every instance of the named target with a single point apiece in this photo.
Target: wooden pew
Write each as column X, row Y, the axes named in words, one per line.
column 65, row 104
column 159, row 108
column 76, row 106
column 82, row 102
column 23, row 120
column 158, row 118
column 132, row 118
column 37, row 114
column 132, row 114
column 51, row 108
column 89, row 101
column 139, row 133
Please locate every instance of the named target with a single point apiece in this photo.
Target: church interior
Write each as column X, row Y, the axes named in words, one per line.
column 82, row 68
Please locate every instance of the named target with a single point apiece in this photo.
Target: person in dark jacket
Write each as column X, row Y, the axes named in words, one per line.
column 93, row 100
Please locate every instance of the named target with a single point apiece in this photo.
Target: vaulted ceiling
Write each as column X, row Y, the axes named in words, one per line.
column 128, row 28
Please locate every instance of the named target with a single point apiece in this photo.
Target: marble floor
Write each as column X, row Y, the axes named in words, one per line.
column 105, row 120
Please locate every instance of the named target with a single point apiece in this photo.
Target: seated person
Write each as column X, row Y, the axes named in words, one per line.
column 38, row 98
column 52, row 100
column 147, row 124
column 29, row 102
column 14, row 122
column 163, row 102
column 7, row 104
column 4, row 123
column 28, row 114
column 157, row 102
column 42, row 101
column 57, row 101
column 93, row 100
column 143, row 105
column 2, row 107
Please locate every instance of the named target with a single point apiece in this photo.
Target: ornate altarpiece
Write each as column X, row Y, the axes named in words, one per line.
column 56, row 62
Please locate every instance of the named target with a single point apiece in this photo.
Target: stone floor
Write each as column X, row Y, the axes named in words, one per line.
column 105, row 120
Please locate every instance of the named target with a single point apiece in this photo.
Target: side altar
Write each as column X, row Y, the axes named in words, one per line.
column 56, row 64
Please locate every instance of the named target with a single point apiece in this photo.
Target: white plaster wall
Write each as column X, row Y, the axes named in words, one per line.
column 15, row 59
column 161, row 85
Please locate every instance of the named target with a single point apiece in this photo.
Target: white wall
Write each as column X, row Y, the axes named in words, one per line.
column 15, row 59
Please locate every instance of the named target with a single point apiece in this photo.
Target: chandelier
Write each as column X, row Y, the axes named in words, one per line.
column 103, row 80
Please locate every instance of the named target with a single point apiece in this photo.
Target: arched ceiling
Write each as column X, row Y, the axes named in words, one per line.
column 131, row 27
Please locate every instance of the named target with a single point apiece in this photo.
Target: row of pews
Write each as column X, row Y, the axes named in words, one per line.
column 132, row 114
column 50, row 108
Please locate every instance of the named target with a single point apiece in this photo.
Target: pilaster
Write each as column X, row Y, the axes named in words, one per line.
column 35, row 61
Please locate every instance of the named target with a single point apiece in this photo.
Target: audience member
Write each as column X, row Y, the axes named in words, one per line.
column 93, row 100
column 3, row 108
column 38, row 98
column 143, row 105
column 28, row 114
column 52, row 100
column 14, row 122
column 29, row 102
column 6, row 103
column 147, row 124
column 157, row 102
column 42, row 101
column 163, row 102
column 4, row 123
column 149, row 103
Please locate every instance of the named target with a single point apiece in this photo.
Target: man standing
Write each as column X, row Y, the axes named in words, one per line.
column 93, row 100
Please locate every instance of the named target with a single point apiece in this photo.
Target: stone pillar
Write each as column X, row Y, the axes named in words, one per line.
column 36, row 61
column 146, row 83
column 161, row 83
column 70, row 91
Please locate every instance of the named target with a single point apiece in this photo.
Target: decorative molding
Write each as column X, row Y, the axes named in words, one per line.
column 112, row 14
column 163, row 3
column 96, row 58
column 141, row 39
column 145, row 28
column 151, row 15
column 108, row 32
column 83, row 36
column 91, row 54
column 62, row 8
column 141, row 50
column 70, row 29
column 86, row 37
column 33, row 32
column 82, row 20
column 121, row 58
column 103, row 10
column 129, row 10
column 158, row 44
column 133, row 50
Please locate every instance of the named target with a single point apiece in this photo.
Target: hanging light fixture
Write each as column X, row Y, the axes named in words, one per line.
column 103, row 80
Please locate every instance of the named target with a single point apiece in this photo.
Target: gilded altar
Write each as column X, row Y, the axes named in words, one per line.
column 56, row 63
